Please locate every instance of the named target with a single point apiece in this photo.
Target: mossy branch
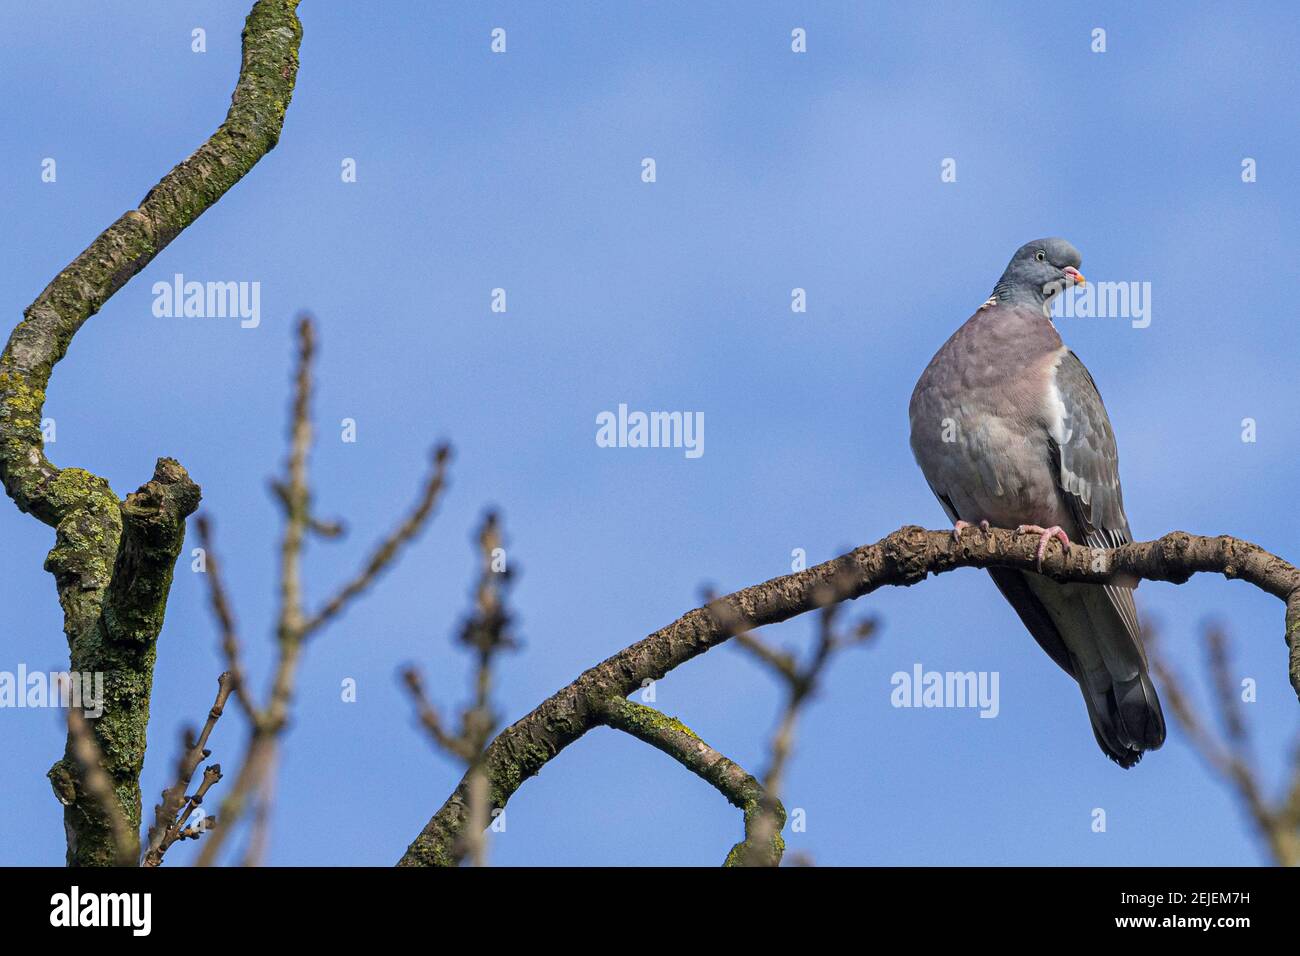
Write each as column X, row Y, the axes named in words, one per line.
column 903, row 558
column 762, row 844
column 112, row 559
column 251, row 129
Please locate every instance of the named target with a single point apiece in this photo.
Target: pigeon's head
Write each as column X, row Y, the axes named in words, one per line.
column 1039, row 270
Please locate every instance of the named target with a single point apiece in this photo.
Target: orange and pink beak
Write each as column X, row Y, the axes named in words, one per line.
column 1074, row 274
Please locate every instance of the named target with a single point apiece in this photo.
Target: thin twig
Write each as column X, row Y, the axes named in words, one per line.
column 173, row 813
column 1219, row 664
column 219, row 601
column 388, row 549
column 413, row 680
column 487, row 632
column 1230, row 758
column 255, row 779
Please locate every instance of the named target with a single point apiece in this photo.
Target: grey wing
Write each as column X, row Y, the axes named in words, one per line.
column 1086, row 464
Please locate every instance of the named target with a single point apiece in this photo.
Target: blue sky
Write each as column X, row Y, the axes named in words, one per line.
column 774, row 171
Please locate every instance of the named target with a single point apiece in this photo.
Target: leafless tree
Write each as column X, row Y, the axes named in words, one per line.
column 113, row 560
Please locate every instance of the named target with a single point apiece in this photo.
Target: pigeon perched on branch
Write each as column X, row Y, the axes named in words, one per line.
column 1010, row 431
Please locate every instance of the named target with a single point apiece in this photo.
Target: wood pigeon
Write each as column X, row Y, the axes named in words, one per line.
column 1010, row 432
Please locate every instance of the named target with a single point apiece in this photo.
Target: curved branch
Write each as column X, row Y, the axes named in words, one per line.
column 902, row 558
column 251, row 129
column 113, row 560
column 742, row 790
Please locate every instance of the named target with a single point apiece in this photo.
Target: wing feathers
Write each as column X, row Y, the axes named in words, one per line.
column 1103, row 624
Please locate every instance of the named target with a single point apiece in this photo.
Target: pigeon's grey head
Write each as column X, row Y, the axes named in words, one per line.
column 1038, row 271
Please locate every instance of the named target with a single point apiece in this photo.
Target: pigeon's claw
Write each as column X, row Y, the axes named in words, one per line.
column 960, row 526
column 1045, row 535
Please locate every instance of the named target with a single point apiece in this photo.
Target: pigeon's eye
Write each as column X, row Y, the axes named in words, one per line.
column 1040, row 255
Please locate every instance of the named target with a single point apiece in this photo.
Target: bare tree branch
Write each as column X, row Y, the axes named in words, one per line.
column 255, row 779
column 219, row 602
column 112, row 560
column 1225, row 690
column 453, row 744
column 800, row 681
column 764, row 815
column 903, row 558
column 387, row 550
column 1230, row 758
column 259, row 837
column 486, row 631
column 171, row 816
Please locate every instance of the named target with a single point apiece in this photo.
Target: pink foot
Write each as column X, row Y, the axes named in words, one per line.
column 961, row 526
column 1045, row 535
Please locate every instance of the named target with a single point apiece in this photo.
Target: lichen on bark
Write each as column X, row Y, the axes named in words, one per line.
column 113, row 559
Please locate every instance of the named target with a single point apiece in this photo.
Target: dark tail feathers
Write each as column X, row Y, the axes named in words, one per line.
column 1126, row 716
